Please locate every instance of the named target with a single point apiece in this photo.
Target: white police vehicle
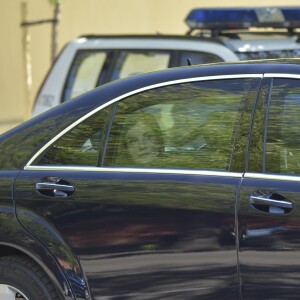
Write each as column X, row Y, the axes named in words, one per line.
column 215, row 35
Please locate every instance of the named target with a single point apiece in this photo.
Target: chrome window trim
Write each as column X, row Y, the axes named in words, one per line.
column 161, row 84
column 272, row 176
column 282, row 75
column 134, row 170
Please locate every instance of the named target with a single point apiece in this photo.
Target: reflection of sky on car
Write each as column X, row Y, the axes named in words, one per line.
column 263, row 232
column 292, row 99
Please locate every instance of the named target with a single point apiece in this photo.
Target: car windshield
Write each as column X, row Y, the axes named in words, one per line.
column 292, row 53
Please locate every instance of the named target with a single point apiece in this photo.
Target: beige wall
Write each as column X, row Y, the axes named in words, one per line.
column 80, row 17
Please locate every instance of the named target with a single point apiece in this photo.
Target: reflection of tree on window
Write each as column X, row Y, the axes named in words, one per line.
column 141, row 141
column 79, row 146
column 283, row 135
column 198, row 123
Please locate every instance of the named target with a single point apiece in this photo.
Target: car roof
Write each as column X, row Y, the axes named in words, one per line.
column 290, row 66
column 138, row 82
column 119, row 87
column 47, row 125
column 157, row 36
column 249, row 42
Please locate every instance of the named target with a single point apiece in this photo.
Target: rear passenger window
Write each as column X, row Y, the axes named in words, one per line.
column 282, row 149
column 84, row 73
column 80, row 146
column 134, row 62
column 184, row 126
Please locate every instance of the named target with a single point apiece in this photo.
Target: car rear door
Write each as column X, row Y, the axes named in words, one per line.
column 268, row 210
column 145, row 229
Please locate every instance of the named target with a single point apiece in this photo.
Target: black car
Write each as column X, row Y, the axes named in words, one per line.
column 177, row 184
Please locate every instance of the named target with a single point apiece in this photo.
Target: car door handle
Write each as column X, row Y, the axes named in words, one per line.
column 55, row 189
column 267, row 204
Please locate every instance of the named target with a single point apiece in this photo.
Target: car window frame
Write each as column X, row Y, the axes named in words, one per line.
column 260, row 110
column 269, row 102
column 102, row 142
column 30, row 165
column 261, row 173
column 239, row 127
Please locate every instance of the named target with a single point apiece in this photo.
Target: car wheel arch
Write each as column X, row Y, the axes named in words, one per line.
column 9, row 250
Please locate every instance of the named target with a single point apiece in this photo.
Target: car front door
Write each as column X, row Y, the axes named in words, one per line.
column 143, row 192
column 269, row 213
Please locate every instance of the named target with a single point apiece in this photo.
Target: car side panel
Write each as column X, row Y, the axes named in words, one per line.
column 15, row 240
column 142, row 235
column 269, row 245
column 269, row 251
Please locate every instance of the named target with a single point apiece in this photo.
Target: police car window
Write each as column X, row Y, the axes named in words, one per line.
column 282, row 149
column 80, row 145
column 185, row 126
column 84, row 73
column 293, row 53
column 198, row 58
column 134, row 62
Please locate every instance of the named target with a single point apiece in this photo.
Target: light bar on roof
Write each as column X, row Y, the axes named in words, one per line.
column 241, row 18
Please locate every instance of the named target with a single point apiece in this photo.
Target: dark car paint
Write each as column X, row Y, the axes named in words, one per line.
column 269, row 243
column 157, row 226
column 14, row 239
column 186, row 238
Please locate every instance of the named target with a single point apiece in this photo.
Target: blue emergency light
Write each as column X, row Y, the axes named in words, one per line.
column 243, row 18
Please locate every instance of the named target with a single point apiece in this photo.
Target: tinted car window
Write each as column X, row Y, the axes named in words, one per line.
column 283, row 132
column 84, row 73
column 134, row 62
column 191, row 125
column 79, row 146
column 255, row 162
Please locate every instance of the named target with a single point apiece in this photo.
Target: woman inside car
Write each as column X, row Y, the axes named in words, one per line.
column 142, row 141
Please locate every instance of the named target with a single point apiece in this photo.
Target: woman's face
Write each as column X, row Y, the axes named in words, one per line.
column 142, row 143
